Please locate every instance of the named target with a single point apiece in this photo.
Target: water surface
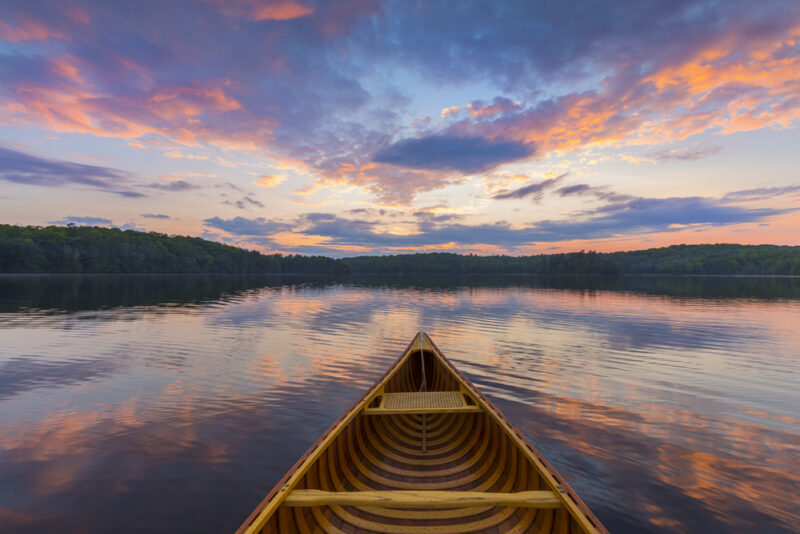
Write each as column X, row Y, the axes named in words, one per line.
column 174, row 403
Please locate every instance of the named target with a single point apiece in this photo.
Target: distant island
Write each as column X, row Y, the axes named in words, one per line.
column 92, row 249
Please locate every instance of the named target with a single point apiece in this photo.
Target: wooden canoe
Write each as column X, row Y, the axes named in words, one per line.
column 422, row 451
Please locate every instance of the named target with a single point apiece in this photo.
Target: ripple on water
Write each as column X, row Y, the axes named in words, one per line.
column 171, row 406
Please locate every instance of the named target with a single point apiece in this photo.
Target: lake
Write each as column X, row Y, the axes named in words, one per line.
column 174, row 403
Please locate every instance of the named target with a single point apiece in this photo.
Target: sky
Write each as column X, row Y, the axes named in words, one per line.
column 355, row 127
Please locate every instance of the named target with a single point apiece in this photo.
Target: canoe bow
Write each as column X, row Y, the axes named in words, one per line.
column 422, row 451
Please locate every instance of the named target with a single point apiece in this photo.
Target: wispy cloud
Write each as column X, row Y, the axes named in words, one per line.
column 686, row 153
column 535, row 190
column 761, row 193
column 245, row 202
column 23, row 168
column 173, row 185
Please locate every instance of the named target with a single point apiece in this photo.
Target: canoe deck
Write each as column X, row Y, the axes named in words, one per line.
column 404, row 461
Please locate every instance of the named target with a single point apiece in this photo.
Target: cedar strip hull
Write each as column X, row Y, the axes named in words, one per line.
column 369, row 451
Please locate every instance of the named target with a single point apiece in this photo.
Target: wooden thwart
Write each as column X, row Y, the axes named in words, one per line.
column 422, row 402
column 421, row 499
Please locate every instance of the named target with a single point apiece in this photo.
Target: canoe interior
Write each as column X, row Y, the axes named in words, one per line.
column 462, row 451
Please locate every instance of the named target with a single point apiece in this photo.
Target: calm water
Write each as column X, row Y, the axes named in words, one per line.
column 173, row 404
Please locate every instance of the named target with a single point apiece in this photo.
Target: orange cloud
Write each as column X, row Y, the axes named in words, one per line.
column 176, row 102
column 728, row 87
column 452, row 110
column 183, row 156
column 184, row 115
column 281, row 11
column 269, row 180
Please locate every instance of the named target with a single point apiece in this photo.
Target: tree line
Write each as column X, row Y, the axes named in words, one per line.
column 91, row 249
column 722, row 259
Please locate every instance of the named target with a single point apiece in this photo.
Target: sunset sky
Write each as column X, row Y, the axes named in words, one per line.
column 365, row 127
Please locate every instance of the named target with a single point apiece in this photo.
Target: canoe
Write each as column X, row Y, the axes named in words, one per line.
column 422, row 451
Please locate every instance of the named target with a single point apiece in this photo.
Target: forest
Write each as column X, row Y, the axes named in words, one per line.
column 721, row 259
column 92, row 249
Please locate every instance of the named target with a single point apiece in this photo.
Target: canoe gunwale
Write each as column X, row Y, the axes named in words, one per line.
column 351, row 412
column 560, row 489
column 563, row 487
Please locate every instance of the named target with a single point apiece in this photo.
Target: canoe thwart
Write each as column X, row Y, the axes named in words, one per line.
column 421, row 499
column 423, row 402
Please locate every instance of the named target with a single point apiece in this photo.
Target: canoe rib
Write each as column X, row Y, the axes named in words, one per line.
column 422, row 499
column 371, row 473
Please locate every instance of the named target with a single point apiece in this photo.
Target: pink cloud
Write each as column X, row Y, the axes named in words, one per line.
column 280, row 11
column 28, row 30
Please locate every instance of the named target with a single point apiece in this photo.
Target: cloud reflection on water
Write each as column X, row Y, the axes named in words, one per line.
column 668, row 413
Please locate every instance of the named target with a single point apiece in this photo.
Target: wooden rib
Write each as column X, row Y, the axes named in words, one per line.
column 422, row 499
column 409, row 445
column 325, row 523
column 512, row 481
column 469, row 459
column 427, row 485
column 388, row 528
column 392, row 454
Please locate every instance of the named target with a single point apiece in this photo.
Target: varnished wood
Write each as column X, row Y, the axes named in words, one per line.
column 401, row 461
column 401, row 411
column 422, row 499
column 422, row 402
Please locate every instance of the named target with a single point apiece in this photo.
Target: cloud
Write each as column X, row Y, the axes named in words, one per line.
column 451, row 110
column 28, row 30
column 183, row 156
column 280, row 11
column 173, row 185
column 305, row 82
column 246, row 201
column 90, row 221
column 242, row 226
column 626, row 217
column 498, row 106
column 154, row 216
column 269, row 180
column 535, row 189
column 465, row 154
column 23, row 168
column 579, row 189
column 24, row 373
column 762, row 193
column 597, row 191
column 687, row 153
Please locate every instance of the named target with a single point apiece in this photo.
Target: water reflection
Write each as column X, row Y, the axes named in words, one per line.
column 175, row 403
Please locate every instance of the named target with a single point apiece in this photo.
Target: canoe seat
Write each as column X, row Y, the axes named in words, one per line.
column 421, row 499
column 422, row 402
